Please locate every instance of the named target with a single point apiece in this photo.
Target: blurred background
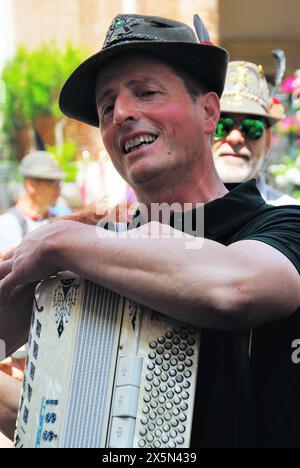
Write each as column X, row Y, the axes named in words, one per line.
column 42, row 41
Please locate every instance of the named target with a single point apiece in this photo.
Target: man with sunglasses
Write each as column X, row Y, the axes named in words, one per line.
column 244, row 133
column 153, row 90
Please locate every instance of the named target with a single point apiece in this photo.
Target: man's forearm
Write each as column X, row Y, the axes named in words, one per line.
column 9, row 402
column 159, row 273
column 212, row 286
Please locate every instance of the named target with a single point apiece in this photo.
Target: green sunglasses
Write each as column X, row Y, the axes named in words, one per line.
column 252, row 129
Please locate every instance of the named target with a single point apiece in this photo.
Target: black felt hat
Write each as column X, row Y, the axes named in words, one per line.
column 171, row 40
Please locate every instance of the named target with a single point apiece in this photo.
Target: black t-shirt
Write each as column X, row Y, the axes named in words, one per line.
column 241, row 401
column 234, row 397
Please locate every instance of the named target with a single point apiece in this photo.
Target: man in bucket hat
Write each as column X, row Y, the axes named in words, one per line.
column 42, row 177
column 153, row 91
column 243, row 135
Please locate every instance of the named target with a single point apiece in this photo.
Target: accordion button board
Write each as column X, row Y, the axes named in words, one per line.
column 103, row 371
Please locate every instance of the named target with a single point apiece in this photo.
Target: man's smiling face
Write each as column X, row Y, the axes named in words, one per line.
column 150, row 125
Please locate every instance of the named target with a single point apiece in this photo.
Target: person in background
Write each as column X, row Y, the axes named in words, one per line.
column 244, row 133
column 42, row 179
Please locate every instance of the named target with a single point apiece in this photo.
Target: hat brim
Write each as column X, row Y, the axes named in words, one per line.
column 206, row 62
column 47, row 176
column 238, row 104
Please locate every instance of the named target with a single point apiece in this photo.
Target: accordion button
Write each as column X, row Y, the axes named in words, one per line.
column 160, row 411
column 150, row 366
column 148, row 387
column 162, row 399
column 170, row 394
column 163, row 388
column 142, row 443
column 190, row 352
column 147, row 398
column 168, row 345
column 191, row 341
column 169, row 405
column 172, row 444
column 184, row 336
column 180, row 440
column 159, row 421
column 187, row 374
column 158, row 361
column 151, row 426
column 174, row 423
column 181, row 429
column 166, row 367
column 144, row 420
column 157, row 444
column 177, row 330
column 169, row 335
column 182, row 417
column 181, row 357
column 168, row 417
column 178, row 389
column 171, row 383
column 189, row 363
column 173, row 373
column 179, row 378
column 152, row 415
column 122, row 432
column 164, row 377
column 166, row 427
column 180, row 367
column 158, row 433
column 154, row 394
column 154, row 404
column 176, row 340
column 183, row 406
column 157, row 372
column 175, row 411
column 156, row 382
column 174, row 362
column 146, row 409
column 167, row 356
column 153, row 344
column 173, row 434
column 177, row 400
column 182, row 346
column 150, row 438
column 143, row 431
column 185, row 395
column 149, row 377
column 186, row 384
column 152, row 355
column 161, row 339
column 165, row 439
column 160, row 350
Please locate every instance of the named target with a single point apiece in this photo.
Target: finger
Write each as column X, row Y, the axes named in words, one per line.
column 6, row 287
column 7, row 254
column 5, row 268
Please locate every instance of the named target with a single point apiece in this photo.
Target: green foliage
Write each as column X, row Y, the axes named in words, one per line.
column 33, row 80
column 65, row 157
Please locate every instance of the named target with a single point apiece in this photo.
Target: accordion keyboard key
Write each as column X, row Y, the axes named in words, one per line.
column 122, row 431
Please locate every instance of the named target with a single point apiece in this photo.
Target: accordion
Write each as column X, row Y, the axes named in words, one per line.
column 103, row 371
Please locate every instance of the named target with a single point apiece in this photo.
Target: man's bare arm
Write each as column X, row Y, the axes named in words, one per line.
column 240, row 286
column 9, row 403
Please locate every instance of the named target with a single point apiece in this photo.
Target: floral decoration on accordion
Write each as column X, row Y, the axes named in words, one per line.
column 65, row 296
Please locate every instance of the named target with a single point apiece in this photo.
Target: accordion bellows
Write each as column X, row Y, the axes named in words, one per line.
column 103, row 371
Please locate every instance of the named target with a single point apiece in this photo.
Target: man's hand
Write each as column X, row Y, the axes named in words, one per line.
column 34, row 259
